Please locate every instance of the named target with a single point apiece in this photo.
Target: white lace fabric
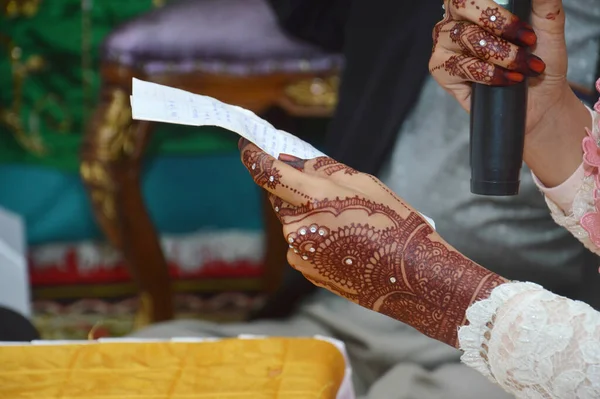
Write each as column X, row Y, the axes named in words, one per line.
column 533, row 343
column 583, row 203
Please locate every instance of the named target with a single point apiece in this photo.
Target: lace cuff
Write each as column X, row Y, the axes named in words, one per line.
column 582, row 218
column 474, row 338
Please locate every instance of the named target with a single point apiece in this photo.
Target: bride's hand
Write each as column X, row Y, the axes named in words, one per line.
column 350, row 234
column 479, row 41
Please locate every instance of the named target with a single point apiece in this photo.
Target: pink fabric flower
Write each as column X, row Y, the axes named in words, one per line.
column 591, row 153
column 591, row 159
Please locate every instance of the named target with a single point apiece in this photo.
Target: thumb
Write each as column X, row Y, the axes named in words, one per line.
column 548, row 15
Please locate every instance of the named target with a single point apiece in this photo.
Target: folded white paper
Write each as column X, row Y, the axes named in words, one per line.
column 158, row 103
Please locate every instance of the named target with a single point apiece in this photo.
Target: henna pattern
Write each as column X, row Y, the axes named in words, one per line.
column 459, row 3
column 511, row 29
column 397, row 270
column 470, row 68
column 492, row 19
column 261, row 169
column 331, row 166
column 475, row 41
column 265, row 174
column 438, row 29
column 486, row 46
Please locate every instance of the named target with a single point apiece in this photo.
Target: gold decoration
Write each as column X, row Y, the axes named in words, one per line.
column 21, row 8
column 114, row 140
column 144, row 313
column 102, row 189
column 115, row 137
column 11, row 117
column 315, row 92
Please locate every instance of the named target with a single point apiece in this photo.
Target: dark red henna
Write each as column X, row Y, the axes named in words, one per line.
column 486, row 46
column 398, row 271
column 265, row 174
column 330, row 166
column 459, row 3
column 553, row 15
column 261, row 169
column 473, row 69
column 293, row 161
column 513, row 30
column 527, row 63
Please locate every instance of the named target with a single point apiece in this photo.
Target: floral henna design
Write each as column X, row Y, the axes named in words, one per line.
column 492, row 19
column 261, row 169
column 438, row 29
column 511, row 29
column 486, row 46
column 459, row 3
column 398, row 270
column 470, row 68
column 331, row 166
column 472, row 40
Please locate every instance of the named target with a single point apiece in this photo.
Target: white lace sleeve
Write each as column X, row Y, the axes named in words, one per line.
column 533, row 343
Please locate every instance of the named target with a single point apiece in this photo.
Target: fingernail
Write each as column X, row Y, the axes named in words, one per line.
column 288, row 158
column 536, row 64
column 242, row 143
column 515, row 76
column 527, row 36
column 293, row 161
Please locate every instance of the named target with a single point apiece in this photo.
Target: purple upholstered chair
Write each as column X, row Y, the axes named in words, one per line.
column 233, row 50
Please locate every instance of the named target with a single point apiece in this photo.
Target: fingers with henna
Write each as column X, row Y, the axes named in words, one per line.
column 494, row 19
column 285, row 181
column 469, row 39
column 458, row 68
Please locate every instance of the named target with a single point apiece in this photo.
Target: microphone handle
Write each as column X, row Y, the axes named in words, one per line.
column 498, row 118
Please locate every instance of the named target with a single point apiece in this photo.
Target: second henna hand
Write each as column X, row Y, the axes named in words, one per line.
column 356, row 238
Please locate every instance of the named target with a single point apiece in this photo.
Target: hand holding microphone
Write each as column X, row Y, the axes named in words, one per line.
column 483, row 50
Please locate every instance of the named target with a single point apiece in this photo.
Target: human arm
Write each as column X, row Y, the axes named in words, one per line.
column 533, row 343
column 556, row 120
column 350, row 234
column 573, row 203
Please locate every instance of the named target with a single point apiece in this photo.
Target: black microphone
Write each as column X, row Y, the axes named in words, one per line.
column 498, row 117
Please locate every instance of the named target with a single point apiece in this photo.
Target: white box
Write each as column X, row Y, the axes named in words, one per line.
column 14, row 276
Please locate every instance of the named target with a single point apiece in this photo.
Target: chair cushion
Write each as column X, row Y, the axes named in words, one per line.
column 221, row 36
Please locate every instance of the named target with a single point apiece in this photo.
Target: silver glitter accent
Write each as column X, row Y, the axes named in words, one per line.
column 305, row 257
column 493, row 18
column 302, row 232
column 290, row 239
column 348, row 261
column 276, row 209
column 271, row 179
column 393, row 280
column 321, row 232
column 482, row 43
column 313, row 229
column 253, row 166
column 312, row 249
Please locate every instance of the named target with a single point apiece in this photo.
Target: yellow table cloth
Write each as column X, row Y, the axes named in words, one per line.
column 229, row 368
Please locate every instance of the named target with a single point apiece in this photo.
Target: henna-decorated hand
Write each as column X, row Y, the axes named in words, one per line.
column 350, row 234
column 479, row 41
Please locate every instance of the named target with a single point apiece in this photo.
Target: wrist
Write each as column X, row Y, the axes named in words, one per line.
column 553, row 148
